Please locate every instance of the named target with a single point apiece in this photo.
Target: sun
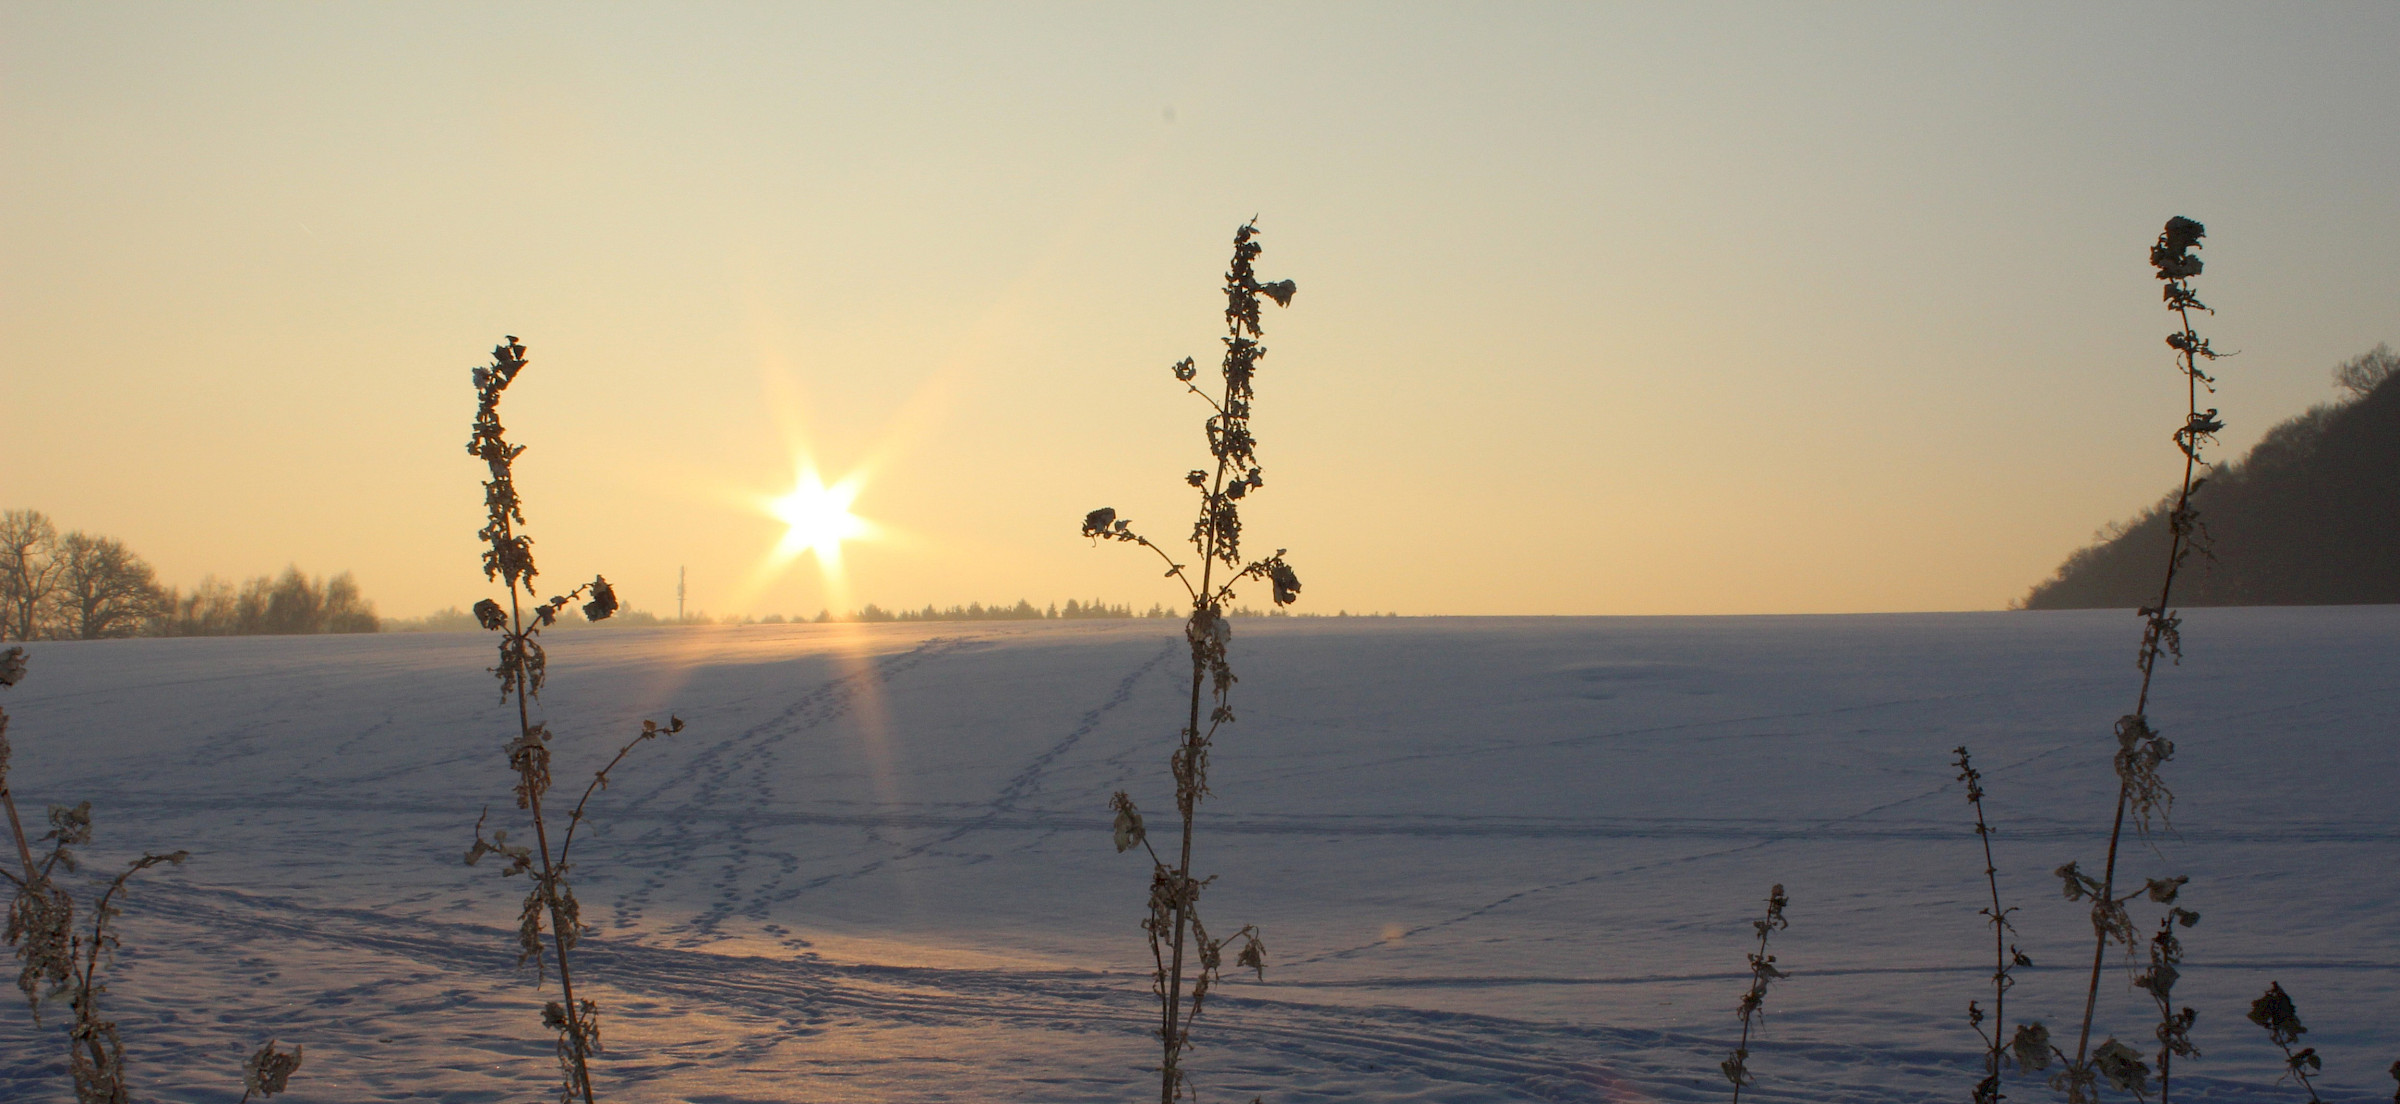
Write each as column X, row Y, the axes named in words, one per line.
column 819, row 518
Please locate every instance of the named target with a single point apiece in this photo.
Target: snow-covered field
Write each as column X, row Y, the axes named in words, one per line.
column 1495, row 859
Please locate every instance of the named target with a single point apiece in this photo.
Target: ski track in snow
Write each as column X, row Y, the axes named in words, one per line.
column 1477, row 1055
column 732, row 779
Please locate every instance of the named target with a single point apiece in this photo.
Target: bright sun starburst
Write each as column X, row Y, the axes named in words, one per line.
column 819, row 519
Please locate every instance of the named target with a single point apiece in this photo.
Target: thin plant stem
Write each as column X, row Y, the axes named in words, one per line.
column 2004, row 958
column 2141, row 748
column 2141, row 706
column 12, row 668
column 509, row 559
column 16, row 827
column 1194, row 746
column 2274, row 1011
column 541, row 839
column 1185, row 957
column 104, row 1079
column 1754, row 1000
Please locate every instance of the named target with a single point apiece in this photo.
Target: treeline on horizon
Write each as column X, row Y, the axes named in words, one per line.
column 1027, row 611
column 2310, row 517
column 458, row 620
column 977, row 611
column 80, row 586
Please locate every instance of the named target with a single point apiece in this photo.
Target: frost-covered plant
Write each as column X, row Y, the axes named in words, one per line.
column 97, row 1058
column 523, row 667
column 2113, row 1061
column 2174, row 1029
column 2005, row 955
column 54, row 959
column 1181, row 948
column 2274, row 1011
column 1754, row 1000
column 2142, row 793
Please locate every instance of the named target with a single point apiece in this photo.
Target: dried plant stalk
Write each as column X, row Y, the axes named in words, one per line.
column 2141, row 750
column 1181, row 949
column 523, row 667
column 98, row 1063
column 2273, row 1010
column 2006, row 957
column 1754, row 1000
column 55, row 960
column 2174, row 1029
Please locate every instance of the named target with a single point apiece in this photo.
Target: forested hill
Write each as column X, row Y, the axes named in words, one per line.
column 2310, row 517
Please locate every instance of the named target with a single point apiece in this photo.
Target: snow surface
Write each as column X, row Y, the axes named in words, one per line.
column 1495, row 859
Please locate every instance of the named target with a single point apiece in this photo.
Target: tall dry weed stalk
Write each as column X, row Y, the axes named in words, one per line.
column 2006, row 956
column 1754, row 1000
column 1181, row 948
column 2142, row 794
column 2274, row 1011
column 523, row 667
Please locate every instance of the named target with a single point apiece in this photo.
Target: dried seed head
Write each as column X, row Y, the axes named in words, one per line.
column 69, row 828
column 1129, row 831
column 2159, row 980
column 2171, row 256
column 1737, row 1067
column 12, row 666
column 2030, row 1047
column 2122, row 1066
column 1254, row 956
column 2274, row 1011
column 604, row 600
column 2182, row 233
column 265, row 1072
column 1287, row 584
column 41, row 919
column 530, row 949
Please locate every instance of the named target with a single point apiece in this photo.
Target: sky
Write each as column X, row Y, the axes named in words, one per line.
column 1603, row 309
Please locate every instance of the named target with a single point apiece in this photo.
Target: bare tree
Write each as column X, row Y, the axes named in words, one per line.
column 207, row 611
column 103, row 590
column 2363, row 373
column 290, row 603
column 28, row 570
column 346, row 609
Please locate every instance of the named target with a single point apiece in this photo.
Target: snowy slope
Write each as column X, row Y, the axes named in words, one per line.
column 1495, row 859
